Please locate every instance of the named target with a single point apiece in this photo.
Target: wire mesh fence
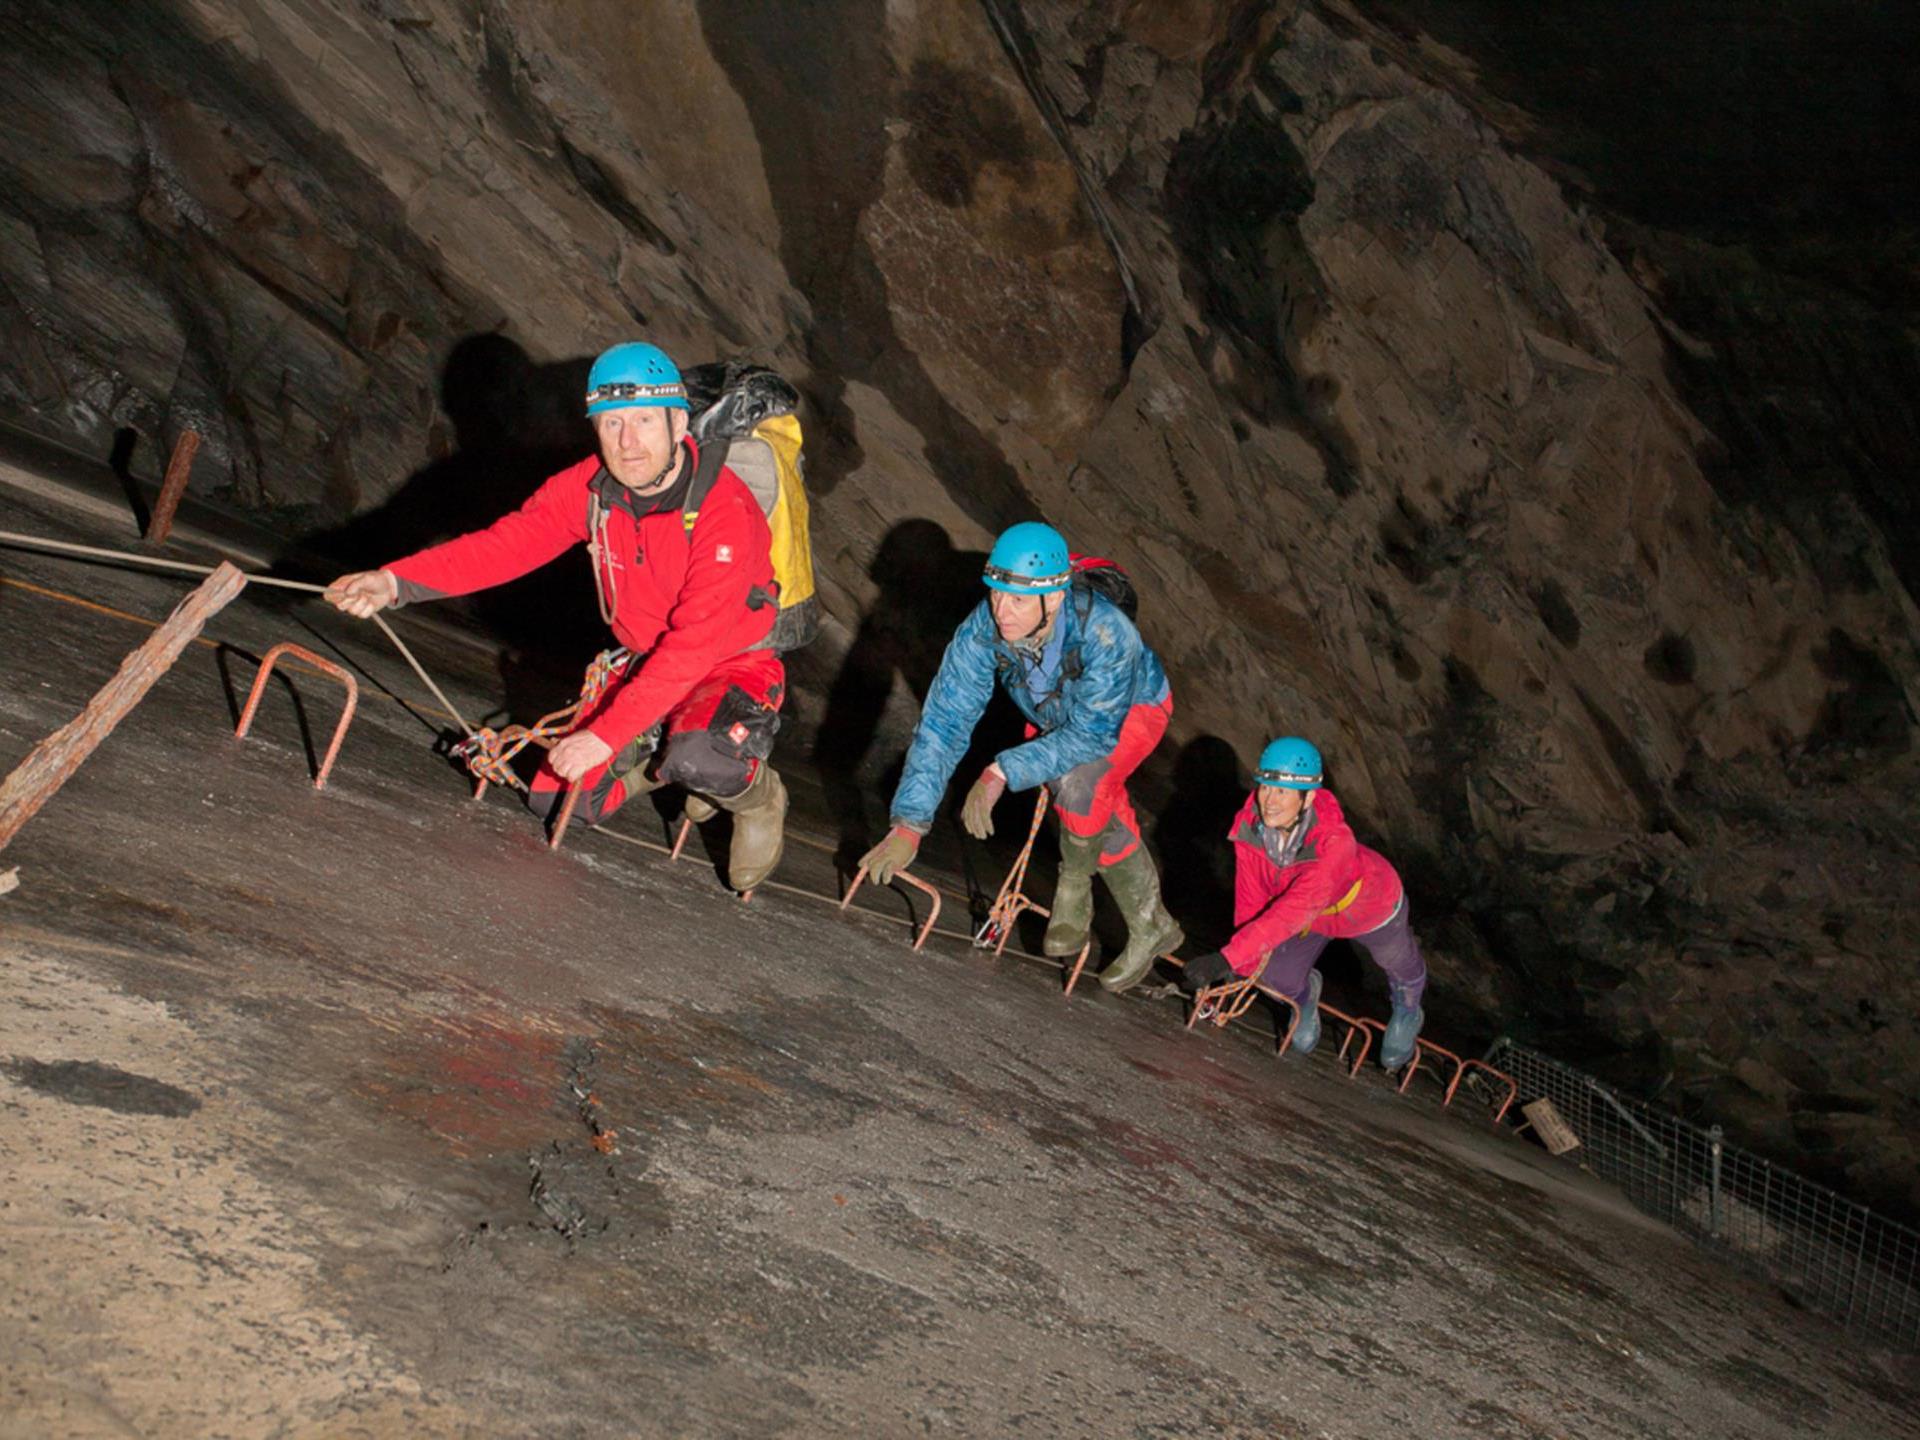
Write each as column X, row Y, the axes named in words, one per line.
column 1830, row 1253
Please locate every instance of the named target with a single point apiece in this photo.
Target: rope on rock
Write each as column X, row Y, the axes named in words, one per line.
column 128, row 557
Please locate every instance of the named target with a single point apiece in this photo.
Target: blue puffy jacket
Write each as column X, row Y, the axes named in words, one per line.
column 1105, row 670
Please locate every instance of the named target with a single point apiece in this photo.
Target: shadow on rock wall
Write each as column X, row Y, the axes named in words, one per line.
column 819, row 85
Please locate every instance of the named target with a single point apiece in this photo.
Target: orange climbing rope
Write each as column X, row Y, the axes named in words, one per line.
column 490, row 753
column 1012, row 900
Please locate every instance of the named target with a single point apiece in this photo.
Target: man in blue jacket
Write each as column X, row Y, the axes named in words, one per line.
column 1097, row 702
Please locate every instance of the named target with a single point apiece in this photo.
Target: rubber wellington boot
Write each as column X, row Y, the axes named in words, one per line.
column 698, row 808
column 1073, row 895
column 1396, row 1046
column 1151, row 931
column 1306, row 1034
column 759, row 828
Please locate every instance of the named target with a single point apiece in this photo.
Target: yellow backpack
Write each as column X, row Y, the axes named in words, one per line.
column 744, row 418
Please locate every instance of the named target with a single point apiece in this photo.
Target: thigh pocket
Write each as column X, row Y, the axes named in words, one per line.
column 743, row 726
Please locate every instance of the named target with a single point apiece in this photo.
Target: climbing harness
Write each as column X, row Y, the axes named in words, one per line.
column 489, row 753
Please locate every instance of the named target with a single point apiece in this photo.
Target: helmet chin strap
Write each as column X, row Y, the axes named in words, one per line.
column 674, row 457
column 1039, row 624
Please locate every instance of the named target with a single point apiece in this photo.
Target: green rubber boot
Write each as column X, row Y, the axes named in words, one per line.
column 1073, row 895
column 1151, row 931
column 759, row 828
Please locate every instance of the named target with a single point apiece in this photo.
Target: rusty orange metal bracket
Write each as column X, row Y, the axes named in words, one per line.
column 1513, row 1086
column 680, row 840
column 1225, row 1003
column 1012, row 900
column 1354, row 1027
column 561, row 820
column 1228, row 1001
column 1079, row 961
column 325, row 667
column 916, row 882
column 1423, row 1046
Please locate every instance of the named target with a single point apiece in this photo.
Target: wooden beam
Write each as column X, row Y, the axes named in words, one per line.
column 53, row 761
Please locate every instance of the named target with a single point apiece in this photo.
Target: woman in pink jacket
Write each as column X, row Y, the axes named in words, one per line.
column 1300, row 880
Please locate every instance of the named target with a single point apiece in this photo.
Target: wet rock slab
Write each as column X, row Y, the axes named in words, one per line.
column 576, row 1144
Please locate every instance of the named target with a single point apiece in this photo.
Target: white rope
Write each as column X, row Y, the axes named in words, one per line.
column 95, row 552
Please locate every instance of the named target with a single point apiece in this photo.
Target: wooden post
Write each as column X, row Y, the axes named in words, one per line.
column 173, row 487
column 53, row 761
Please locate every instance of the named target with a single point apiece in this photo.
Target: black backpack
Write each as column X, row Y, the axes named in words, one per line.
column 1096, row 576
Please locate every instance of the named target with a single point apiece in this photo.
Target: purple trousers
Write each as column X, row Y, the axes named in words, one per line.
column 1390, row 946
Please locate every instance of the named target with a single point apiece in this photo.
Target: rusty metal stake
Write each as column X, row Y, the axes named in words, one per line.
column 325, row 667
column 1079, row 963
column 564, row 818
column 916, row 882
column 173, row 487
column 53, row 761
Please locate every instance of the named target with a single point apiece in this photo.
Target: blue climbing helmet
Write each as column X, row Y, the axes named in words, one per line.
column 634, row 373
column 1290, row 763
column 1029, row 559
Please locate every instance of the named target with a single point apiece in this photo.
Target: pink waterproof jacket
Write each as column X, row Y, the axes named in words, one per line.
column 1330, row 883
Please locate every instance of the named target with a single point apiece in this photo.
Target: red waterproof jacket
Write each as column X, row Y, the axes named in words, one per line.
column 683, row 600
column 1331, row 883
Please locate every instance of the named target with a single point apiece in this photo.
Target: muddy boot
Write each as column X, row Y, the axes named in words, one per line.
column 759, row 828
column 1151, row 931
column 1396, row 1046
column 1073, row 896
column 699, row 809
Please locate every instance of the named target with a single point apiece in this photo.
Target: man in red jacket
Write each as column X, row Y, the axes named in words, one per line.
column 1300, row 880
column 688, row 588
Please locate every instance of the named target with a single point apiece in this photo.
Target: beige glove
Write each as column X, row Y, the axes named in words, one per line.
column 891, row 855
column 976, row 811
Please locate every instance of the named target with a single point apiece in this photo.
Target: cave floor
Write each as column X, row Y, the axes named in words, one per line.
column 290, row 1113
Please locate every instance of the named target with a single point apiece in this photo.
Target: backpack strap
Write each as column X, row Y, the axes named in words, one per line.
column 713, row 455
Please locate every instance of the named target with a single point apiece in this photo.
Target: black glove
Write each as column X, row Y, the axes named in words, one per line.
column 1204, row 971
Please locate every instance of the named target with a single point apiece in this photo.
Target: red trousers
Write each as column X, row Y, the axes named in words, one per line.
column 713, row 741
column 1091, row 799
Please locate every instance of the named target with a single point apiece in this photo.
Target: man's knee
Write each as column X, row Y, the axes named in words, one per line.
column 707, row 764
column 718, row 759
column 1078, row 798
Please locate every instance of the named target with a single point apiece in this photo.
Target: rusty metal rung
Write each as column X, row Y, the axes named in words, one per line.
column 565, row 817
column 1513, row 1086
column 1355, row 1026
column 325, row 667
column 916, row 882
column 680, row 840
column 1079, row 962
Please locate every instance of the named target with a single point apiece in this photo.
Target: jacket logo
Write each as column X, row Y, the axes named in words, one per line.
column 724, row 554
column 737, row 733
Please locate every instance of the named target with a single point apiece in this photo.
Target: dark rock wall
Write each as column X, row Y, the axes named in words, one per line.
column 1581, row 538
